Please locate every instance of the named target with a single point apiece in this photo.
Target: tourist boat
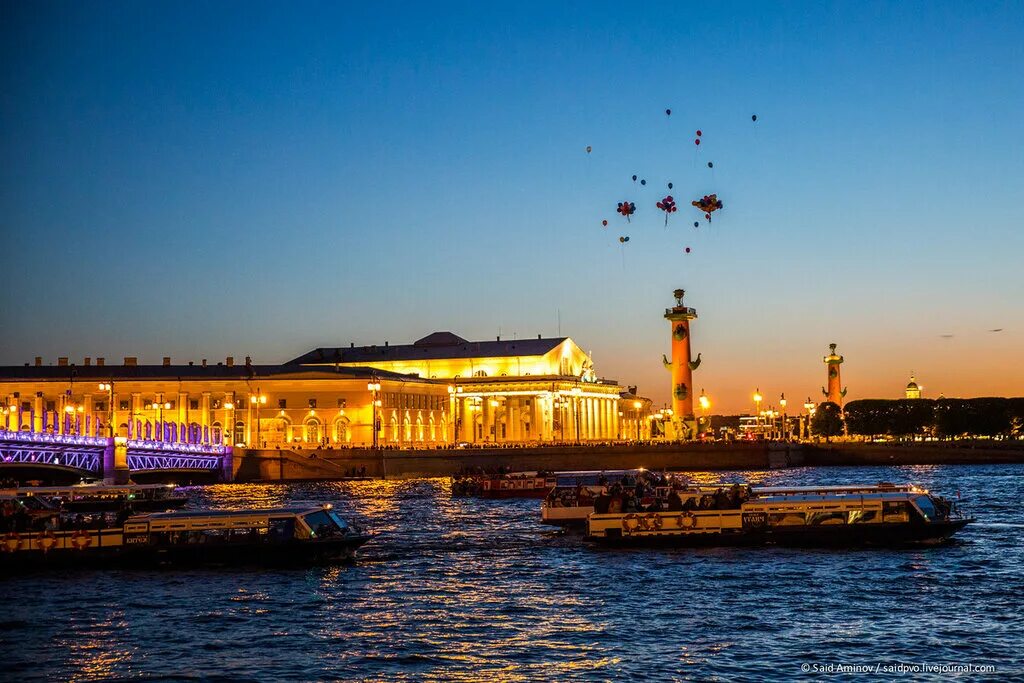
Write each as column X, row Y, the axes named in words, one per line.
column 882, row 514
column 104, row 498
column 511, row 485
column 288, row 536
column 571, row 500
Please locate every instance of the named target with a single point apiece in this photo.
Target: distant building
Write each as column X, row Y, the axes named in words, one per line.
column 440, row 390
column 913, row 390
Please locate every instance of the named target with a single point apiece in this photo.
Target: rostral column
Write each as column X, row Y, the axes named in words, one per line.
column 684, row 424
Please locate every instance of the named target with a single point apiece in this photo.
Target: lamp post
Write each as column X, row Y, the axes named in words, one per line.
column 704, row 403
column 782, row 404
column 255, row 401
column 636, row 407
column 373, row 387
column 453, row 394
column 810, row 408
column 109, row 388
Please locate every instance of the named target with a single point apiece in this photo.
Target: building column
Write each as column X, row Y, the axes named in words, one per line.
column 133, row 419
column 88, row 426
column 515, row 418
column 37, row 412
column 182, row 416
column 488, row 421
column 591, row 420
column 465, row 418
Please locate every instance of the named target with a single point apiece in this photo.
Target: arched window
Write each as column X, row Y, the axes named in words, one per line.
column 480, row 373
column 122, row 429
column 216, row 433
column 313, row 430
column 341, row 430
column 433, row 429
column 407, row 425
column 394, row 428
column 239, row 432
column 419, row 429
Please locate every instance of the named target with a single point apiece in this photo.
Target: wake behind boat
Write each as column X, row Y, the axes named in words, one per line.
column 882, row 514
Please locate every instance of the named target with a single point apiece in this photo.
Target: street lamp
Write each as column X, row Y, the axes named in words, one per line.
column 704, row 404
column 373, row 388
column 782, row 403
column 810, row 408
column 255, row 401
column 109, row 388
column 453, row 394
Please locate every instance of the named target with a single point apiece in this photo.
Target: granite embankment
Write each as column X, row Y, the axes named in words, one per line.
column 297, row 465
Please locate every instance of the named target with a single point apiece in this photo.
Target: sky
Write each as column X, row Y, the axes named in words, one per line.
column 198, row 180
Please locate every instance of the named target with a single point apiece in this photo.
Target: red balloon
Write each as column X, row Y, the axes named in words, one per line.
column 687, row 250
column 699, row 133
column 696, row 141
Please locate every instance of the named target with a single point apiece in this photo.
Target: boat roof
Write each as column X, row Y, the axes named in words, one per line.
column 848, row 488
column 587, row 473
column 194, row 514
column 87, row 488
column 836, row 497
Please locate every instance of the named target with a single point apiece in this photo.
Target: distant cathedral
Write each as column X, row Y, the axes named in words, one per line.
column 913, row 390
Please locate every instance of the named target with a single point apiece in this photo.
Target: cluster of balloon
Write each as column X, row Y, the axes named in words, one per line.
column 709, row 203
column 627, row 209
column 668, row 205
column 696, row 140
column 623, row 239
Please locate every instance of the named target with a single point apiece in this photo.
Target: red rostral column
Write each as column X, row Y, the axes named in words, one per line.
column 681, row 367
column 835, row 393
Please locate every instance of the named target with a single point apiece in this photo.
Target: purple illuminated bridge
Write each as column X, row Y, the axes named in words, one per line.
column 111, row 458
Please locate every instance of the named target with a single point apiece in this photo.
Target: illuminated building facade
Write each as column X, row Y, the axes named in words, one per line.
column 913, row 389
column 520, row 390
column 438, row 391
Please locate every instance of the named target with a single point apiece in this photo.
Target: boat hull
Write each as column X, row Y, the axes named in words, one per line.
column 853, row 535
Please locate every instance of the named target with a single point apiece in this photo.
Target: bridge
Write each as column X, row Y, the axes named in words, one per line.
column 114, row 460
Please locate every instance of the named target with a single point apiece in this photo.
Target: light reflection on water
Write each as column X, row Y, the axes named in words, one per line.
column 464, row 589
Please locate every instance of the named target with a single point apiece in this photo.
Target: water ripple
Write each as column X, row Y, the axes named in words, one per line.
column 457, row 589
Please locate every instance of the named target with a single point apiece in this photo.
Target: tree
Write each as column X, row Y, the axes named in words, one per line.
column 868, row 417
column 952, row 417
column 911, row 416
column 828, row 420
column 989, row 416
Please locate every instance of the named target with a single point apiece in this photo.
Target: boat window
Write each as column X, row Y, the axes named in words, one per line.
column 895, row 511
column 927, row 507
column 831, row 517
column 320, row 522
column 342, row 524
column 282, row 528
column 785, row 518
column 863, row 516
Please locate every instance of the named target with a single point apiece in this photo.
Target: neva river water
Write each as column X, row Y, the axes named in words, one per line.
column 466, row 589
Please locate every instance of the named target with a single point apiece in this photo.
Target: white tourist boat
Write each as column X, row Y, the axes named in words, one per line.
column 881, row 514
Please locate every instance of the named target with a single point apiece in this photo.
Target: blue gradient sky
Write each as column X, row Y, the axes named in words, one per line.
column 247, row 179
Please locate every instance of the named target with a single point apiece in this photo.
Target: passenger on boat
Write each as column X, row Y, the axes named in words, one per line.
column 675, row 503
